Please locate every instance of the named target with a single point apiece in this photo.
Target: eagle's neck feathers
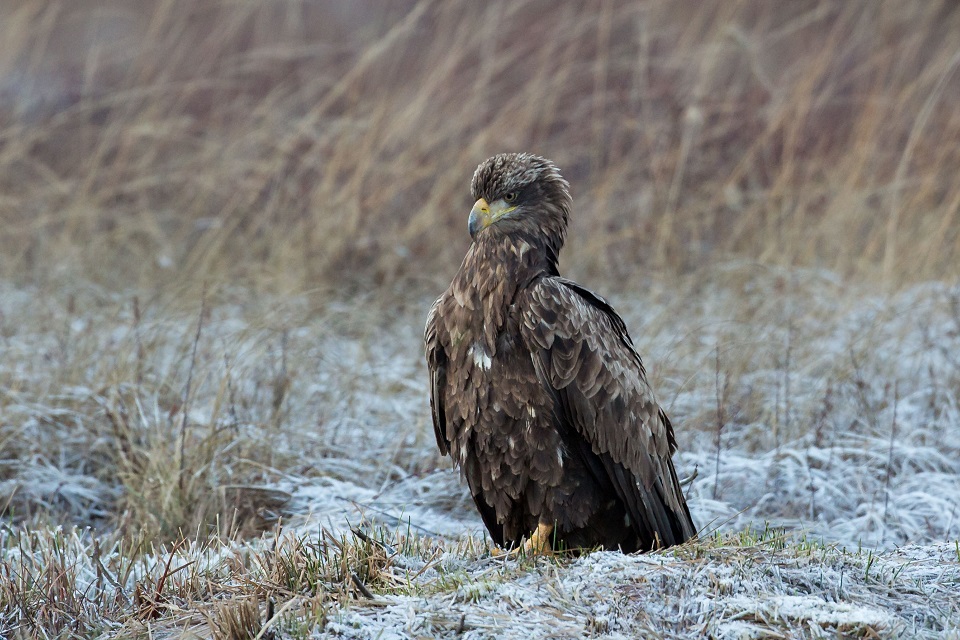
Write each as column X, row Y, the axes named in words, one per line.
column 497, row 266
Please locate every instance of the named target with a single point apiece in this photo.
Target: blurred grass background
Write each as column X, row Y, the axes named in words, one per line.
column 221, row 224
column 296, row 144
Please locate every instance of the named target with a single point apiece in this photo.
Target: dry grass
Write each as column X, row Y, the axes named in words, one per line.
column 290, row 143
column 131, row 416
column 223, row 223
column 758, row 583
column 840, row 421
column 67, row 584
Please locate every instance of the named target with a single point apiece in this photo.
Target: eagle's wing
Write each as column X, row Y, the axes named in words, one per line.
column 437, row 367
column 584, row 356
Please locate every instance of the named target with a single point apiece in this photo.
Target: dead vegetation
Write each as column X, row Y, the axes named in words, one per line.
column 288, row 586
column 334, row 506
column 287, row 144
column 223, row 224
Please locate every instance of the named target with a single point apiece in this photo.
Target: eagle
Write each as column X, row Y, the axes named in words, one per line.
column 536, row 390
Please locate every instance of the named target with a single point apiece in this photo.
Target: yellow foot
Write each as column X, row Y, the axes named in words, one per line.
column 537, row 545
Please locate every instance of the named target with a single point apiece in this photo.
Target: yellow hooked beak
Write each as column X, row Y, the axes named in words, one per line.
column 483, row 215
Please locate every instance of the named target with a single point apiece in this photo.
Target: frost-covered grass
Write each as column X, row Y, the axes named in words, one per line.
column 176, row 468
column 389, row 583
column 172, row 463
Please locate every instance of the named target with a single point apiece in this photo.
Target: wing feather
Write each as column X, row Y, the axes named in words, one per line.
column 584, row 356
column 437, row 366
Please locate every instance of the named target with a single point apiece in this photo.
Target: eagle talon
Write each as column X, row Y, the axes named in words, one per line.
column 538, row 544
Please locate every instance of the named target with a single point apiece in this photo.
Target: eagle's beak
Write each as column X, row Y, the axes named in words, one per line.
column 483, row 215
column 479, row 217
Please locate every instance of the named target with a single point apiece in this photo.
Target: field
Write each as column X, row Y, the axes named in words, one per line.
column 223, row 224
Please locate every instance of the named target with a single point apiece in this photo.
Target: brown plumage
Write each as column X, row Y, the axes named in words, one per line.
column 536, row 390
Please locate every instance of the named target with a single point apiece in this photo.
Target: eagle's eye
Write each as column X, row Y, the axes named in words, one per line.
column 510, row 197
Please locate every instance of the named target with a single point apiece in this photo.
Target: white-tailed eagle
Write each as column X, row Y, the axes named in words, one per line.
column 536, row 389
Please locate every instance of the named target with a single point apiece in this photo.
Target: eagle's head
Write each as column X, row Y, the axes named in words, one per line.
column 520, row 192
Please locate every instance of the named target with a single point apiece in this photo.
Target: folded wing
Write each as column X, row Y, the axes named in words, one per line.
column 584, row 356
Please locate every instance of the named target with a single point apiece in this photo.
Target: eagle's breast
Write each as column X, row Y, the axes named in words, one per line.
column 502, row 429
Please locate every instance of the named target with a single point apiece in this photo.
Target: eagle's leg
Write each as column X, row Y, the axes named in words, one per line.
column 538, row 544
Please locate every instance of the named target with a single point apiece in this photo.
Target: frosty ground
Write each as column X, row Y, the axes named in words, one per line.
column 194, row 465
